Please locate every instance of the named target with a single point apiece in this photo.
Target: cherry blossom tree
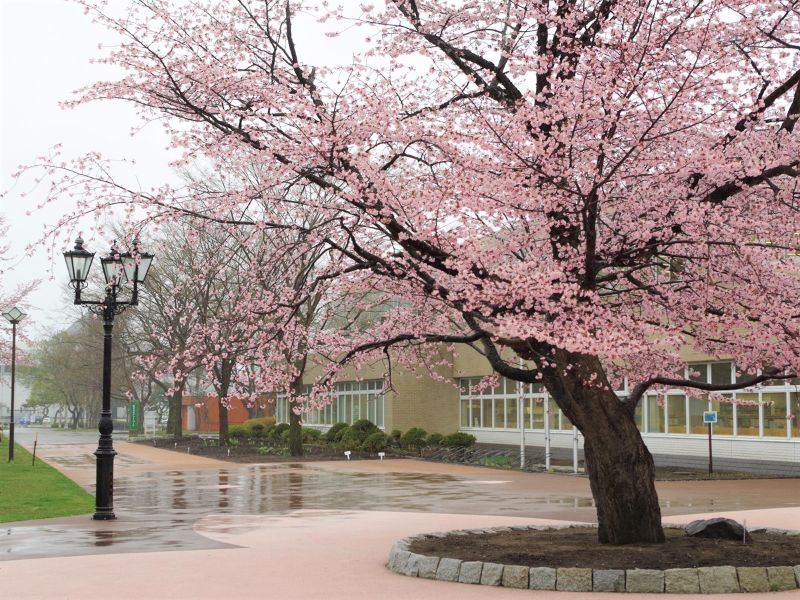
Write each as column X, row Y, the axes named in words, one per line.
column 587, row 185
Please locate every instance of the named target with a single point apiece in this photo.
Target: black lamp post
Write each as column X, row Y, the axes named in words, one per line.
column 14, row 316
column 117, row 269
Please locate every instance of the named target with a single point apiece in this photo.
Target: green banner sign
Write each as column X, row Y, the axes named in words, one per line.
column 133, row 415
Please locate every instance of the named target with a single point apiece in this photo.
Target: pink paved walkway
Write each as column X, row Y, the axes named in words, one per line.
column 302, row 555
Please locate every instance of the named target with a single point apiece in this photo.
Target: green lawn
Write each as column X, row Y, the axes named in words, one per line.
column 40, row 492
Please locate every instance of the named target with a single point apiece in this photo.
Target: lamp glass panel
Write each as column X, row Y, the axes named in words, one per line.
column 14, row 314
column 78, row 266
column 113, row 271
column 130, row 263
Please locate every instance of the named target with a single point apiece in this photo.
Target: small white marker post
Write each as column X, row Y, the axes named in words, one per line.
column 347, row 454
column 381, row 455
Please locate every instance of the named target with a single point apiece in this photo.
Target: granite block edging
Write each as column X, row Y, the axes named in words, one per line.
column 701, row 580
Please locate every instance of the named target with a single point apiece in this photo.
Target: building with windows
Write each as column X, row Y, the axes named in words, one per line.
column 21, row 394
column 755, row 424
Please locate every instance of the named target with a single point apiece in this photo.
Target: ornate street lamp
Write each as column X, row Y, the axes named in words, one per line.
column 117, row 270
column 14, row 316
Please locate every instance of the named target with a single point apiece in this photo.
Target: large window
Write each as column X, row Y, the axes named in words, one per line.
column 747, row 414
column 496, row 407
column 354, row 400
column 697, row 406
column 655, row 415
column 676, row 413
column 724, row 424
column 772, row 410
column 774, row 414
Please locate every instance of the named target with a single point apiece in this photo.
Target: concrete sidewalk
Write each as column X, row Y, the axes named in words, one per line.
column 320, row 530
column 300, row 555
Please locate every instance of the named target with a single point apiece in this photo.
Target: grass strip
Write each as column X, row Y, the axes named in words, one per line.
column 37, row 492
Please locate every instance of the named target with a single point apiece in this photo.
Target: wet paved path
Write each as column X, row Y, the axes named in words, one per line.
column 286, row 516
column 159, row 496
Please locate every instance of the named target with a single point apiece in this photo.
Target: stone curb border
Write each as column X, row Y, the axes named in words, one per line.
column 701, row 580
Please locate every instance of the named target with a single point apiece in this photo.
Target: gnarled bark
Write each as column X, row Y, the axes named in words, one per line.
column 620, row 467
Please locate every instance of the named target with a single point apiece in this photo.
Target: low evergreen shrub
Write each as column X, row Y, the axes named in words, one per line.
column 414, row 439
column 237, row 432
column 352, row 439
column 365, row 426
column 334, row 434
column 458, row 440
column 376, row 442
column 311, row 435
column 277, row 431
column 435, row 439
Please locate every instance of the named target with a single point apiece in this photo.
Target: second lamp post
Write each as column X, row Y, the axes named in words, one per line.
column 118, row 268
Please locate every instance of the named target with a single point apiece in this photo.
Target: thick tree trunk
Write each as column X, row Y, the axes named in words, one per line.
column 175, row 417
column 295, row 426
column 620, row 468
column 295, row 434
column 140, row 419
column 223, row 424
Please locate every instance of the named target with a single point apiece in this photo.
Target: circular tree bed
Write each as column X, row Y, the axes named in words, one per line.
column 578, row 547
column 571, row 559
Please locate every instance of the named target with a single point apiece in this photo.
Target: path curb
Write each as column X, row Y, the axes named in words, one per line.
column 702, row 580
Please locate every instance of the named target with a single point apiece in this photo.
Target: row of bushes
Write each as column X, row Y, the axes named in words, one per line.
column 361, row 435
column 364, row 435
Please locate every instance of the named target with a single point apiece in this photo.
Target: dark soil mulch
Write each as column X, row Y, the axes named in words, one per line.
column 250, row 453
column 578, row 547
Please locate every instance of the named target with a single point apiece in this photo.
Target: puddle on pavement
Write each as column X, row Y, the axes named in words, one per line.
column 157, row 510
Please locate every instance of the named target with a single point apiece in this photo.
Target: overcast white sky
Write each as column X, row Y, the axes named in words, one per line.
column 46, row 48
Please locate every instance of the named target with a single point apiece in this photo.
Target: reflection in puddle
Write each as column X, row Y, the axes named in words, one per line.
column 157, row 510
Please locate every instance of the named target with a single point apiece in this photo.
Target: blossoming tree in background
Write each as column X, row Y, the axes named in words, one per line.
column 587, row 185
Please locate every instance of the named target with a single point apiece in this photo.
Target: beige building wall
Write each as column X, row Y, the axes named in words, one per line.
column 418, row 400
column 422, row 401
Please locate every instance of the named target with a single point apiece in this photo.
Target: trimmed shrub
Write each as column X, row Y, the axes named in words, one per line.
column 277, row 431
column 458, row 440
column 395, row 437
column 285, row 435
column 365, row 426
column 334, row 434
column 414, row 438
column 376, row 442
column 352, row 439
column 435, row 439
column 311, row 435
column 257, row 430
column 237, row 432
column 263, row 421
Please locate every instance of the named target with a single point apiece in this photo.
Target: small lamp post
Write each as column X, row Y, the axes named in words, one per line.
column 117, row 269
column 14, row 316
